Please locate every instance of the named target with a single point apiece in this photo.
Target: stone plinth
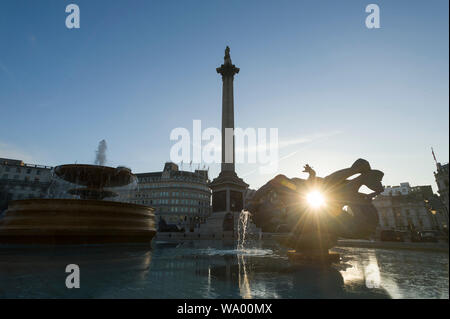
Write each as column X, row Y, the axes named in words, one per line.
column 228, row 192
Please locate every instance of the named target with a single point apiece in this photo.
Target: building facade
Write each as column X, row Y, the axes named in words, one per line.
column 402, row 189
column 249, row 193
column 22, row 181
column 406, row 208
column 441, row 176
column 179, row 197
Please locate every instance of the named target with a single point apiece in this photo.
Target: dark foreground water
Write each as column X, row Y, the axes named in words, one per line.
column 217, row 270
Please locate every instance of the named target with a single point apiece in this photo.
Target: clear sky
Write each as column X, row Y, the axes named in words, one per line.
column 135, row 70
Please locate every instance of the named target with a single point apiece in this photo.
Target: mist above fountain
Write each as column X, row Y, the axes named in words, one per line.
column 100, row 154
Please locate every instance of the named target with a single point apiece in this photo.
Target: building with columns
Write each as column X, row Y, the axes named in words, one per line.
column 406, row 208
column 441, row 176
column 179, row 197
column 19, row 180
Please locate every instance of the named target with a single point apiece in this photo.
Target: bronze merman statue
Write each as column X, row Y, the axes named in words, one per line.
column 312, row 225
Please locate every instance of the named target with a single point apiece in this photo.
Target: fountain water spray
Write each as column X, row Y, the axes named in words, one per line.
column 242, row 229
column 100, row 154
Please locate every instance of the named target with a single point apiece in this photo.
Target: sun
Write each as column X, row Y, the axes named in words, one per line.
column 315, row 199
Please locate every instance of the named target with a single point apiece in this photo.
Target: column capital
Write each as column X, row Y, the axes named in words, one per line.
column 227, row 70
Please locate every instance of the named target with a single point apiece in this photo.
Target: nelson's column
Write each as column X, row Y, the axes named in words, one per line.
column 228, row 189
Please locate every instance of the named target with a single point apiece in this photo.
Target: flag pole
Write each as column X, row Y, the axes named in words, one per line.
column 434, row 156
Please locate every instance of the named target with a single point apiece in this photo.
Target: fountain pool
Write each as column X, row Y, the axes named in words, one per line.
column 213, row 269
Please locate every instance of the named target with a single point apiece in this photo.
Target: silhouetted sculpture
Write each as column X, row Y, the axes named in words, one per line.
column 227, row 57
column 281, row 206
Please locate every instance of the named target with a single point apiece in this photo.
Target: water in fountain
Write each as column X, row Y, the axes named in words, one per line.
column 242, row 229
column 126, row 192
column 246, row 235
column 58, row 188
column 243, row 252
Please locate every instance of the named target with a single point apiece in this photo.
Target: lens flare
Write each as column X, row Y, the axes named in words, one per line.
column 315, row 199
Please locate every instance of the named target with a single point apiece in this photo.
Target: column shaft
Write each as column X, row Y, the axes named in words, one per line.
column 227, row 119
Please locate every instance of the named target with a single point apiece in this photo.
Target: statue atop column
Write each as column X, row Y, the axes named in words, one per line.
column 227, row 68
column 227, row 58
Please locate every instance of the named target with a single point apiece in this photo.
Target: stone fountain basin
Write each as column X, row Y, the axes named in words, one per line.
column 94, row 176
column 73, row 221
